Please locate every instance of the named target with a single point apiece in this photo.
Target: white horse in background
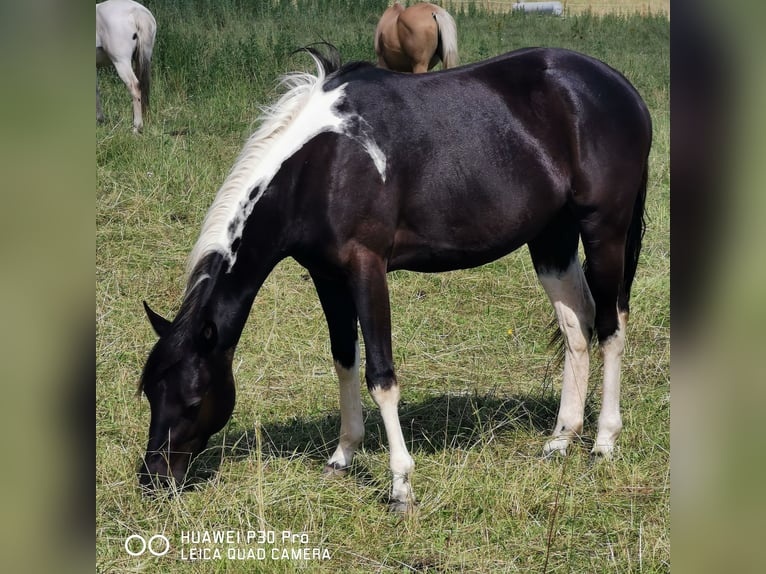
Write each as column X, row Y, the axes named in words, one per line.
column 125, row 32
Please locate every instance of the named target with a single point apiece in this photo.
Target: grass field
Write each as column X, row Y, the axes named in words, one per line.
column 479, row 383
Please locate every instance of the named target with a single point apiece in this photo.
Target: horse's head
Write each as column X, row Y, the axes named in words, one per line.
column 189, row 383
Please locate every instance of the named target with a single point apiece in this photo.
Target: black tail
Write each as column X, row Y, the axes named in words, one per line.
column 633, row 243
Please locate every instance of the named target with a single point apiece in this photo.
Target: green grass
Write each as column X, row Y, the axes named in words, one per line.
column 477, row 402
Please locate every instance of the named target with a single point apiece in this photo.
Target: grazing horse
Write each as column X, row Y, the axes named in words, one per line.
column 416, row 38
column 358, row 171
column 125, row 32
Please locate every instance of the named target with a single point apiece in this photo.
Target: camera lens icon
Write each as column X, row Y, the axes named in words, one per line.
column 157, row 545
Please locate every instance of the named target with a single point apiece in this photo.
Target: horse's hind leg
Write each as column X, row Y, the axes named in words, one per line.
column 554, row 255
column 340, row 313
column 420, row 58
column 605, row 253
column 419, row 44
column 127, row 75
column 419, row 67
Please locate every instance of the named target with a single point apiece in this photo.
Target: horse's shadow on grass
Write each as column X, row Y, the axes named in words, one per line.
column 435, row 424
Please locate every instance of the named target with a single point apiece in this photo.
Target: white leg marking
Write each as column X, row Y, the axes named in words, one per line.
column 575, row 312
column 351, row 423
column 610, row 421
column 402, row 464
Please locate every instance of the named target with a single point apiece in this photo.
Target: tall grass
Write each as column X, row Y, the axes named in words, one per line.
column 479, row 383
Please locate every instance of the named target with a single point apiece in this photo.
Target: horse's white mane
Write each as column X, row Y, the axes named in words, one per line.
column 303, row 111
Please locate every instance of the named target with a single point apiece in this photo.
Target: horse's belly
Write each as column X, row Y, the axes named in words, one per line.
column 471, row 228
column 101, row 57
column 416, row 251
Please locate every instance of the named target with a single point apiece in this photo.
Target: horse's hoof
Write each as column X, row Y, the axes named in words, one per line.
column 602, row 452
column 332, row 471
column 556, row 446
column 400, row 506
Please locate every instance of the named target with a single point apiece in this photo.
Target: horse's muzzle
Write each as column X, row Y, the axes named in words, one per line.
column 158, row 471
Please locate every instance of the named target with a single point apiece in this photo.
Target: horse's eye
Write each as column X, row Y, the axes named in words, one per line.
column 194, row 404
column 191, row 409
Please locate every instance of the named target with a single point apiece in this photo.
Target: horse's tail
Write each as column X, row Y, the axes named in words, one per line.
column 447, row 37
column 146, row 30
column 633, row 242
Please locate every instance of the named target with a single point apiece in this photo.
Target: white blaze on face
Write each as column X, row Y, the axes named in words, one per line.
column 303, row 112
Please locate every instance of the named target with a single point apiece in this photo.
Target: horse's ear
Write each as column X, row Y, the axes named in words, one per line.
column 160, row 325
column 207, row 337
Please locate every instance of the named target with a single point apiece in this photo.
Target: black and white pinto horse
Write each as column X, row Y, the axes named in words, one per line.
column 359, row 171
column 125, row 32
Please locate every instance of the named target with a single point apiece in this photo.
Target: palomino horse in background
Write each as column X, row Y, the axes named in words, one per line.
column 416, row 38
column 125, row 33
column 350, row 175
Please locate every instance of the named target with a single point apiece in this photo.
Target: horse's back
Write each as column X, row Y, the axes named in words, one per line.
column 539, row 92
column 506, row 142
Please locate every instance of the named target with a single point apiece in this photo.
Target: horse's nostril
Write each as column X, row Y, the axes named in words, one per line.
column 153, row 472
column 145, row 479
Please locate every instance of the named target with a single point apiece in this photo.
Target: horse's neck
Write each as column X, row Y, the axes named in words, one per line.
column 230, row 312
column 263, row 245
column 265, row 237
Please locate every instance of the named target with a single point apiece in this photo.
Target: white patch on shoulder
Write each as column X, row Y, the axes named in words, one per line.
column 376, row 154
column 302, row 113
column 360, row 130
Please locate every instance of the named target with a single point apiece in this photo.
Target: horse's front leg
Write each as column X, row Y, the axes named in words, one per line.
column 370, row 291
column 339, row 310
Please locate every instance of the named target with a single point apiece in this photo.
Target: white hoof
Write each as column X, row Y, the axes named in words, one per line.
column 400, row 506
column 603, row 449
column 333, row 471
column 557, row 445
column 402, row 498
